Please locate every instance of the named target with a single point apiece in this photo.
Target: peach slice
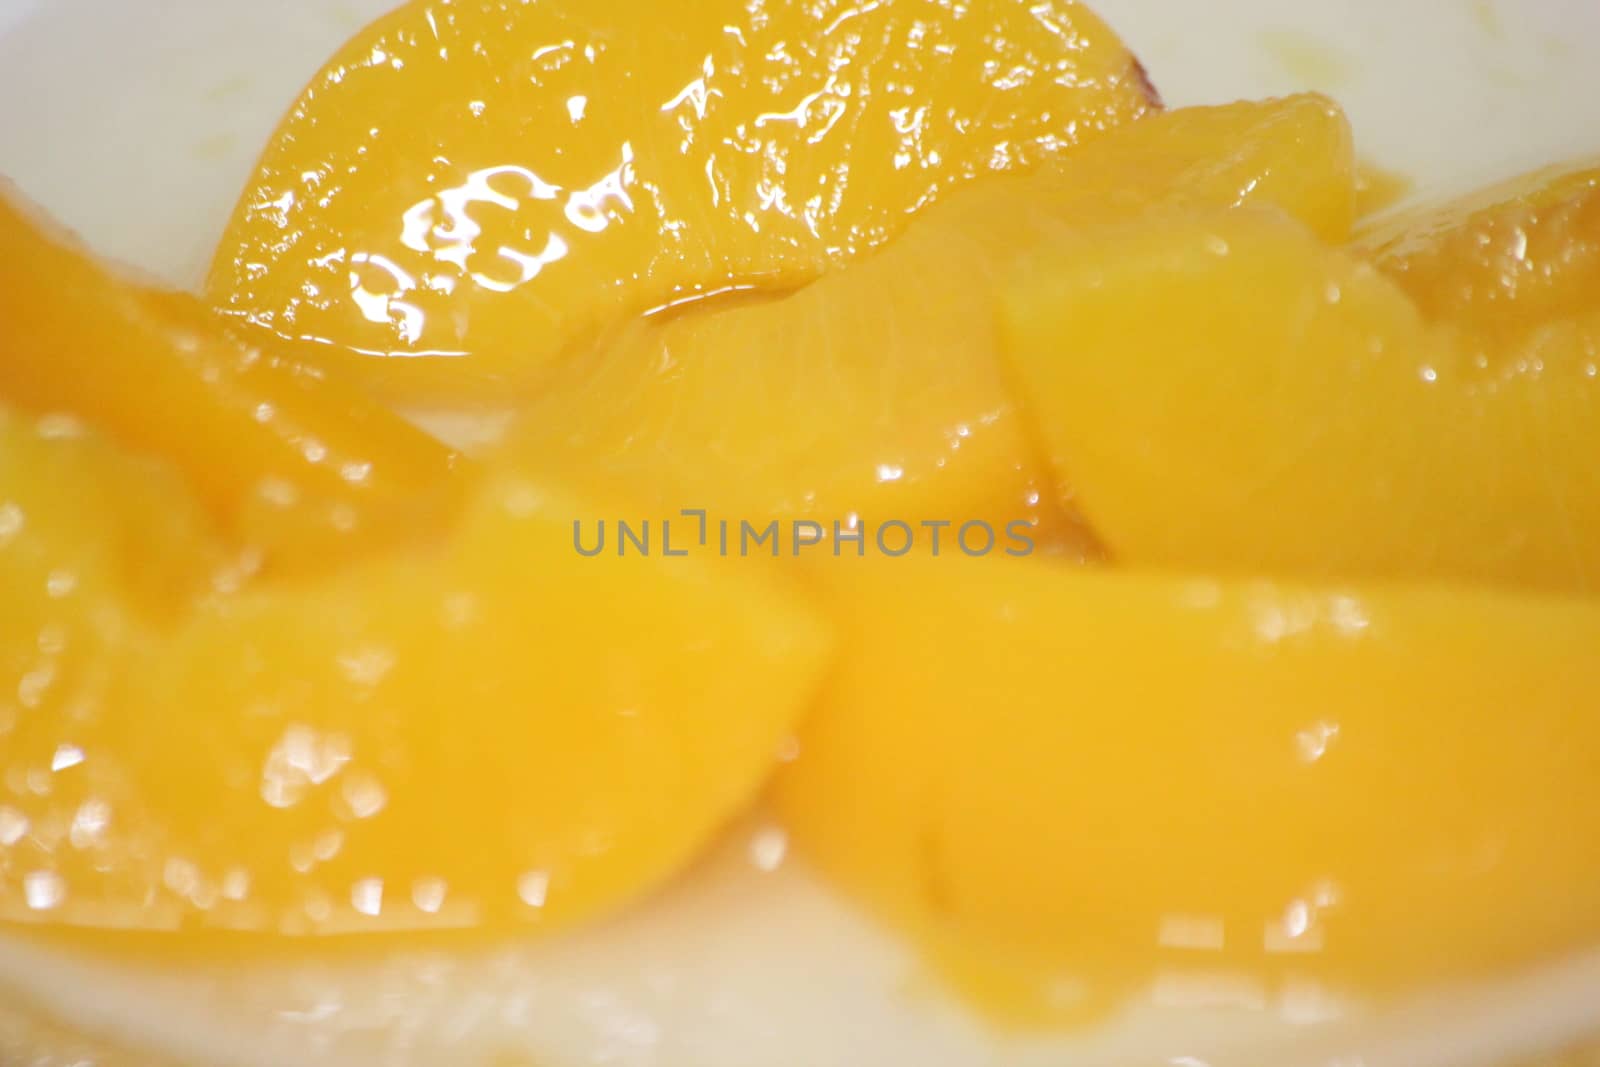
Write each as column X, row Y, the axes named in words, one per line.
column 877, row 391
column 496, row 731
column 1090, row 775
column 1502, row 263
column 1289, row 410
column 467, row 189
column 97, row 549
column 299, row 468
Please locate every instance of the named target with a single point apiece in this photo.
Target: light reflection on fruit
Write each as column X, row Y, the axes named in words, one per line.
column 475, row 187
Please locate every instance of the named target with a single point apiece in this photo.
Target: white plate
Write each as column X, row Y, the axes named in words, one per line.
column 137, row 123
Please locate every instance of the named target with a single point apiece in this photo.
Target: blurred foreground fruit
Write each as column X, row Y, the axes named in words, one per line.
column 497, row 731
column 300, row 468
column 1089, row 776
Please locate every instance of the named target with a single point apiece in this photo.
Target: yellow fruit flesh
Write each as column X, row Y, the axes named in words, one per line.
column 95, row 548
column 877, row 392
column 1501, row 263
column 1290, row 411
column 501, row 731
column 1057, row 774
column 292, row 466
column 466, row 189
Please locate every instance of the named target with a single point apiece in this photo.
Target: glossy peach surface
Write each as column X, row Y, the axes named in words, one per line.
column 1502, row 262
column 468, row 188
